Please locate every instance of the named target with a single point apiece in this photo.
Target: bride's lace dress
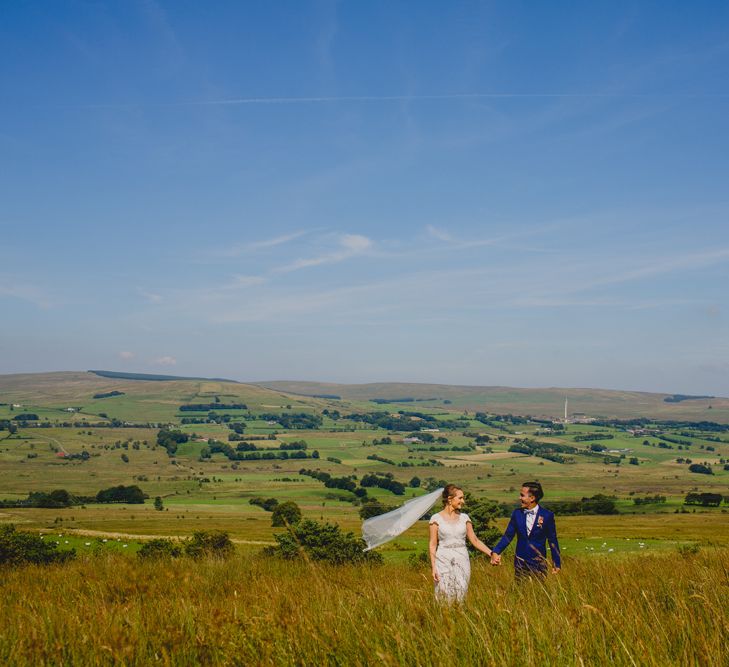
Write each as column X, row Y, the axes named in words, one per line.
column 451, row 557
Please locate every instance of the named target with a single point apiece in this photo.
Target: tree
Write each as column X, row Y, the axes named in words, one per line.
column 373, row 508
column 286, row 514
column 483, row 513
column 322, row 542
column 705, row 499
column 26, row 416
column 414, row 483
column 18, row 547
column 170, row 439
column 158, row 504
column 56, row 498
column 121, row 494
column 160, row 548
column 211, row 543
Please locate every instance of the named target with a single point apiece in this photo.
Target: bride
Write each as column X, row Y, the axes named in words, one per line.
column 449, row 560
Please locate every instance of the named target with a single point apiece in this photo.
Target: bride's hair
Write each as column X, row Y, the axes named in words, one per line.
column 448, row 492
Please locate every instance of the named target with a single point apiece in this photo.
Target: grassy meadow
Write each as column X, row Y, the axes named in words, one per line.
column 659, row 609
column 646, row 586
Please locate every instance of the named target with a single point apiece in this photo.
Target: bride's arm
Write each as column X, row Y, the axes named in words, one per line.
column 478, row 544
column 432, row 546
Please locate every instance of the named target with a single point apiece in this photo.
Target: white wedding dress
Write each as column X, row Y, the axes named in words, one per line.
column 451, row 558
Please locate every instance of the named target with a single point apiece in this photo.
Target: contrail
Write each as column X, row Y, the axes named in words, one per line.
column 334, row 99
column 429, row 98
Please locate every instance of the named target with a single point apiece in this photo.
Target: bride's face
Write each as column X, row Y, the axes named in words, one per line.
column 456, row 501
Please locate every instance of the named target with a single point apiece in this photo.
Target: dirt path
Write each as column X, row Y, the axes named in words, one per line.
column 130, row 536
column 53, row 440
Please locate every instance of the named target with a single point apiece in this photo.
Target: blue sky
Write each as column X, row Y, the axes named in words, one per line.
column 525, row 194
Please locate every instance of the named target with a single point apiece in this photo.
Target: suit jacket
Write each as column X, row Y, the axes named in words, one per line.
column 531, row 550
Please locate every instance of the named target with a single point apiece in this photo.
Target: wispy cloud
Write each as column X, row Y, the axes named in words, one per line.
column 240, row 282
column 159, row 22
column 438, row 234
column 126, row 355
column 331, row 99
column 517, row 240
column 350, row 245
column 661, row 266
column 506, row 283
column 252, row 246
column 201, row 295
column 151, row 297
column 9, row 287
column 164, row 361
column 597, row 96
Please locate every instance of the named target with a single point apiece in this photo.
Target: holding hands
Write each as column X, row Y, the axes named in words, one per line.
column 495, row 558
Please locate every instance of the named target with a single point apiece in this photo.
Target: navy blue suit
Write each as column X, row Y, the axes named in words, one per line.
column 531, row 549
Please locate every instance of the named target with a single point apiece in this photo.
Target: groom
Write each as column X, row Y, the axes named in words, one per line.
column 533, row 526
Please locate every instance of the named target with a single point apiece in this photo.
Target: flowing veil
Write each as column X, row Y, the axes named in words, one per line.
column 382, row 528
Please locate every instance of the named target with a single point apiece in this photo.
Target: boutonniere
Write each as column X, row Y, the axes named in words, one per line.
column 540, row 521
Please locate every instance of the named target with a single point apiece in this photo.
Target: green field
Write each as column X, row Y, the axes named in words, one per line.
column 644, row 586
column 215, row 492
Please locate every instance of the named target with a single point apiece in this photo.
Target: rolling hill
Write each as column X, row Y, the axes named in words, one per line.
column 139, row 400
column 157, row 398
column 547, row 402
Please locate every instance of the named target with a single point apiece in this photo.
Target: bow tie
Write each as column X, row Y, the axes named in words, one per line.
column 530, row 512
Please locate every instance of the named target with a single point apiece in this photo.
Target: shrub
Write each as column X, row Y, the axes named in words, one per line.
column 55, row 498
column 373, row 508
column 688, row 549
column 704, row 499
column 483, row 514
column 26, row 416
column 160, row 548
column 121, row 494
column 323, row 542
column 419, row 560
column 17, row 548
column 268, row 504
column 287, row 513
column 215, row 543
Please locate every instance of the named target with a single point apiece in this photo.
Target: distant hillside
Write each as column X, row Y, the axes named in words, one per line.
column 150, row 376
column 146, row 397
column 547, row 402
column 137, row 399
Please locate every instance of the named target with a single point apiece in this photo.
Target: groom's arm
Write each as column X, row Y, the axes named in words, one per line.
column 506, row 537
column 553, row 543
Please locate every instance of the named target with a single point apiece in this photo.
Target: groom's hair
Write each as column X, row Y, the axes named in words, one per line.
column 535, row 488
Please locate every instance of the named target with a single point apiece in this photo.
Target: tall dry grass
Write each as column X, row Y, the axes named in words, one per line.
column 647, row 610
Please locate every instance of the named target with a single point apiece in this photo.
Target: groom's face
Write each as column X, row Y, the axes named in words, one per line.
column 526, row 498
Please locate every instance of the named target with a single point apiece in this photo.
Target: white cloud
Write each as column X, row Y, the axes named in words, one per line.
column 658, row 267
column 252, row 246
column 126, row 355
column 350, row 245
column 438, row 233
column 151, row 296
column 239, row 281
column 165, row 361
column 25, row 292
